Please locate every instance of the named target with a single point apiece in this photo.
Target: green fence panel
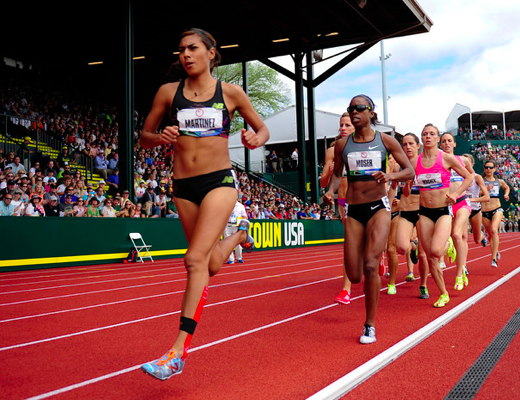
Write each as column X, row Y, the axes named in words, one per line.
column 57, row 242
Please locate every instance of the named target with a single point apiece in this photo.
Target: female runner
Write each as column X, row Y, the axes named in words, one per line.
column 492, row 212
column 435, row 216
column 391, row 250
column 345, row 128
column 478, row 194
column 367, row 222
column 409, row 216
column 461, row 212
column 200, row 109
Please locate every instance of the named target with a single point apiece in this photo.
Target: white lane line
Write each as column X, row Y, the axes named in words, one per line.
column 342, row 386
column 160, row 295
column 69, row 335
column 223, row 274
column 74, row 272
column 135, row 367
column 104, row 274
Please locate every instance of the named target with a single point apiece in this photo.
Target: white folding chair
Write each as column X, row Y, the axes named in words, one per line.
column 140, row 246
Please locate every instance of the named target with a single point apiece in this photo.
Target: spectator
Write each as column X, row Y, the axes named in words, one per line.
column 6, row 206
column 161, row 203
column 67, row 182
column 101, row 165
column 17, row 202
column 113, row 163
column 261, row 213
column 161, row 187
column 139, row 211
column 92, row 209
column 116, row 203
column 51, row 208
column 51, row 169
column 108, row 211
column 171, row 210
column 100, row 196
column 10, row 187
column 32, row 170
column 127, row 211
column 294, row 159
column 34, row 208
column 79, row 207
column 126, row 198
column 16, row 165
column 148, row 200
column 64, row 158
column 113, row 182
column 53, row 191
column 140, row 190
column 67, row 207
column 65, row 171
column 89, row 193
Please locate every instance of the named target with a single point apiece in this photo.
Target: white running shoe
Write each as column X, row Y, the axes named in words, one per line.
column 369, row 335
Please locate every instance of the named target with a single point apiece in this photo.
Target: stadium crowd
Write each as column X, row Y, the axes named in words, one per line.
column 88, row 133
column 91, row 131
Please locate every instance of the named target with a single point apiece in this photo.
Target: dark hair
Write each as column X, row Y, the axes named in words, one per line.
column 176, row 72
column 414, row 137
column 448, row 133
column 490, row 161
column 372, row 105
column 433, row 126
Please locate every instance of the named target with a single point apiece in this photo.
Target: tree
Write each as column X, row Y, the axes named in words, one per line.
column 267, row 92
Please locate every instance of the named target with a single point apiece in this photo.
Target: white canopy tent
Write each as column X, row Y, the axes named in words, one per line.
column 282, row 127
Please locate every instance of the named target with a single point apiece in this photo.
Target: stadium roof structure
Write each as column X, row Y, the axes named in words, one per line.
column 460, row 117
column 64, row 37
column 62, row 32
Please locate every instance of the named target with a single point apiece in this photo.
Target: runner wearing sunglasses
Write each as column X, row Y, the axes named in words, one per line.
column 364, row 154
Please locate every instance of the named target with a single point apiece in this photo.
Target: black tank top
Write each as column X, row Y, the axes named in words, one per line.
column 201, row 119
column 364, row 159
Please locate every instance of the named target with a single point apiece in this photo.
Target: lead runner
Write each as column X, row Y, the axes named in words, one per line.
column 200, row 110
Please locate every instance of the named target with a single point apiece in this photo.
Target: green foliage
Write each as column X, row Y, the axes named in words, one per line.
column 267, row 92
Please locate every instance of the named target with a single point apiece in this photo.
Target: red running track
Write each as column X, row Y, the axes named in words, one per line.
column 269, row 330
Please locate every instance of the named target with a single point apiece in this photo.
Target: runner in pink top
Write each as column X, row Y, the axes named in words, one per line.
column 461, row 212
column 433, row 173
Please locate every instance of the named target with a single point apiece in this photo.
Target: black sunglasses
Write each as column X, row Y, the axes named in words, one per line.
column 488, row 167
column 358, row 108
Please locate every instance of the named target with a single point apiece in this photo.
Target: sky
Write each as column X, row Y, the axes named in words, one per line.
column 471, row 56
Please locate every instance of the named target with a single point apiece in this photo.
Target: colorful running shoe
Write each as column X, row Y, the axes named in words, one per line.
column 451, row 253
column 241, row 261
column 484, row 241
column 249, row 243
column 414, row 254
column 465, row 277
column 369, row 335
column 443, row 300
column 410, row 277
column 391, row 289
column 165, row 367
column 343, row 297
column 459, row 284
column 423, row 292
column 494, row 264
column 382, row 264
column 229, row 262
column 498, row 255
